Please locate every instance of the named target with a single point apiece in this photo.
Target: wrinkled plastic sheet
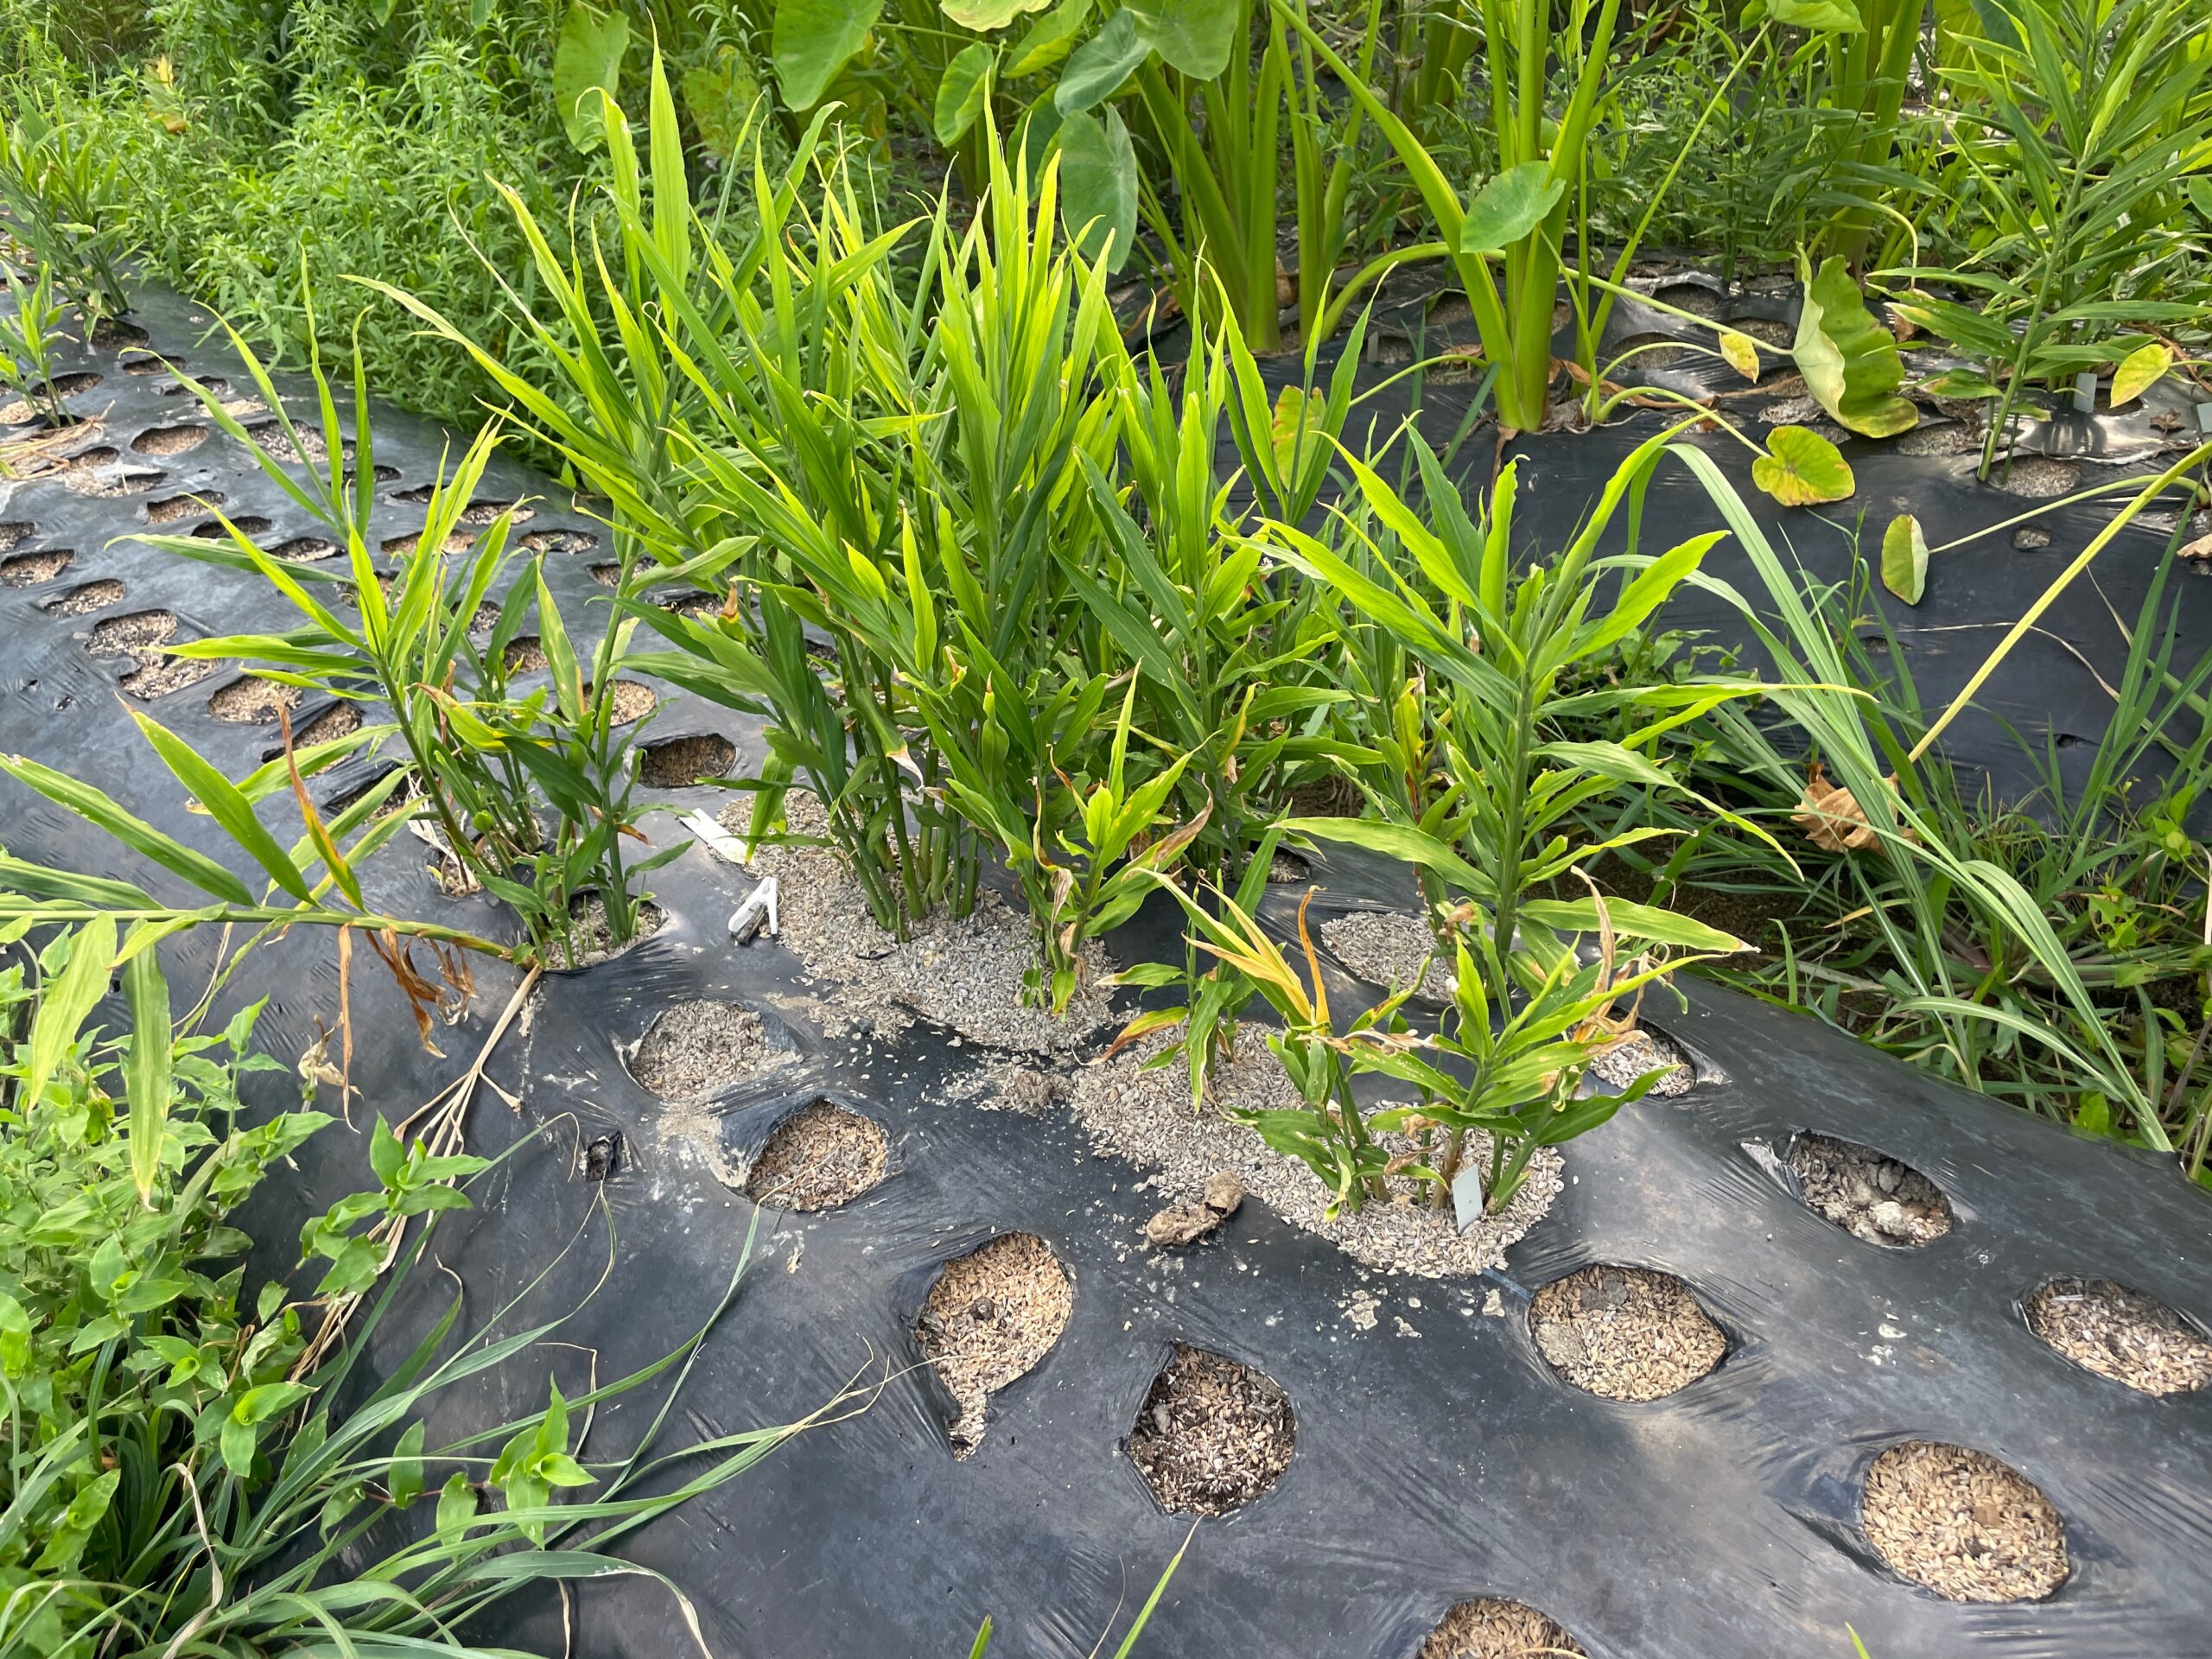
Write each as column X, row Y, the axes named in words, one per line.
column 1436, row 1460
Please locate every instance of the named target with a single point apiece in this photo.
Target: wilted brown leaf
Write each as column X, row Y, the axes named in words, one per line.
column 1831, row 818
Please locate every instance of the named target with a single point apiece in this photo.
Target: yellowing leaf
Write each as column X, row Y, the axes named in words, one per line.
column 984, row 15
column 1297, row 430
column 1803, row 470
column 1850, row 361
column 1742, row 353
column 2139, row 371
column 1904, row 558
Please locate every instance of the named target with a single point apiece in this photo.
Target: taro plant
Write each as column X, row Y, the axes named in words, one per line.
column 432, row 643
column 189, row 1469
column 1505, row 659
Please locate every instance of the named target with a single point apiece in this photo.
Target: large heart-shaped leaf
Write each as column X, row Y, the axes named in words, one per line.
column 1048, row 39
column 813, row 40
column 1904, row 558
column 588, row 62
column 1192, row 35
column 1850, row 361
column 1509, row 208
column 718, row 100
column 1100, row 65
column 2139, row 371
column 1098, row 185
column 984, row 15
column 961, row 93
column 1801, row 468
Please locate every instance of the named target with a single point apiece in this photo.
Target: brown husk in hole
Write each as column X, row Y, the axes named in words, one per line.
column 1491, row 1628
column 2121, row 1334
column 1624, row 1333
column 818, row 1158
column 989, row 1317
column 1961, row 1523
column 1212, row 1434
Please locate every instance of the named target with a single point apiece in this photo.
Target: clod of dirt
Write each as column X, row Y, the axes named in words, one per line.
column 92, row 596
column 991, row 1316
column 213, row 531
column 1623, row 1061
column 628, row 701
column 169, row 440
column 694, row 1048
column 141, row 632
column 560, row 541
column 165, row 675
column 1869, row 1196
column 679, row 762
column 1212, row 1434
column 819, row 1157
column 1185, row 1223
column 2037, row 477
column 1491, row 1628
column 341, row 720
column 303, row 549
column 592, row 936
column 171, row 508
column 253, row 700
column 1961, row 1523
column 1624, row 1333
column 2121, row 1334
column 1388, row 947
column 27, row 569
column 2028, row 537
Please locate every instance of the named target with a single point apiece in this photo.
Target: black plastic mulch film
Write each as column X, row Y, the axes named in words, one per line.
column 1438, row 1456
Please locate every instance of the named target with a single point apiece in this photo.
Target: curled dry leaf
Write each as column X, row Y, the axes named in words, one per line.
column 1831, row 818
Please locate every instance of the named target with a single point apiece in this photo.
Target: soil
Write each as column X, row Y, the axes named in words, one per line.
column 170, row 509
column 169, row 440
column 139, row 634
column 398, row 547
column 110, row 335
column 1961, row 1523
column 165, row 675
column 1624, row 1333
column 1665, row 352
column 629, row 701
column 1145, row 1117
column 820, row 1157
column 2037, row 477
column 1388, row 947
column 595, row 940
column 1790, row 411
column 1495, row 1629
column 1287, row 869
column 1212, row 1434
column 2029, row 538
column 694, row 1048
column 991, row 1316
column 303, row 549
column 270, row 435
column 12, row 536
column 682, row 761
column 607, row 575
column 341, row 721
column 1940, row 438
column 1638, row 1052
column 481, row 513
column 2121, row 1334
column 560, row 541
column 92, row 596
column 524, row 655
column 1869, row 1196
column 152, row 363
column 253, row 700
column 213, row 531
column 965, row 973
column 27, row 569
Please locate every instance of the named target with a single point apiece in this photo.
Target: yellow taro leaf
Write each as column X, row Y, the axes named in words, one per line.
column 2139, row 371
column 1904, row 558
column 1742, row 353
column 1803, row 470
column 1297, row 430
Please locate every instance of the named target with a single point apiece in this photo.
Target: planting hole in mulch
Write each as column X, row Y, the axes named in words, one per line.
column 111, row 335
column 1388, row 947
column 311, row 450
column 1961, row 1523
column 682, row 761
column 1652, row 351
column 694, row 1048
column 169, row 440
column 526, row 655
column 303, row 549
column 165, row 675
column 1287, row 869
column 27, row 569
column 628, row 701
column 607, row 575
column 92, row 596
column 252, row 700
column 1942, row 438
column 481, row 513
column 103, row 473
column 820, row 1157
column 2037, row 477
column 1624, row 1333
column 140, row 632
column 214, row 383
column 2121, row 1334
column 1694, row 297
column 341, row 721
column 991, row 1316
column 398, row 547
column 1212, row 1434
column 171, row 508
column 14, row 534
column 1618, row 1066
column 561, row 541
column 213, row 531
column 152, row 363
column 1869, row 1196
column 1492, row 1628
column 2029, row 538
column 593, row 939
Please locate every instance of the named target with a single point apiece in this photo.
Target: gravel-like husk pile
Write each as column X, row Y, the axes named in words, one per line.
column 1388, row 947
column 253, row 700
column 682, row 761
column 1146, row 1117
column 92, row 596
column 1869, row 1196
column 964, row 974
column 1638, row 1052
column 1962, row 1524
column 29, row 570
column 166, row 674
column 2121, row 1334
column 819, row 1157
column 694, row 1048
column 1495, row 1629
column 1624, row 1333
column 1212, row 1434
column 991, row 1316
